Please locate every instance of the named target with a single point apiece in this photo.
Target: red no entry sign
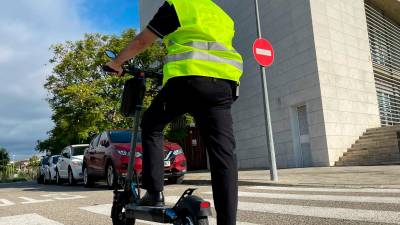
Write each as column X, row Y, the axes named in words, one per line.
column 263, row 52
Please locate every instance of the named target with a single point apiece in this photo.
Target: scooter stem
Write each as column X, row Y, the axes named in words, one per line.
column 132, row 157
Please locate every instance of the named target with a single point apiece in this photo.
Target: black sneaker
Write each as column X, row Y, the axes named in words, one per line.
column 152, row 199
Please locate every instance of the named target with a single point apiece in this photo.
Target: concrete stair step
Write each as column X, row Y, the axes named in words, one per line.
column 359, row 153
column 367, row 163
column 397, row 127
column 376, row 144
column 372, row 142
column 385, row 134
column 378, row 149
column 369, row 155
column 372, row 152
column 370, row 158
column 382, row 131
column 377, row 138
column 389, row 157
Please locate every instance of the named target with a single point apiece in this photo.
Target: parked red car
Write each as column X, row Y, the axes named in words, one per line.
column 107, row 157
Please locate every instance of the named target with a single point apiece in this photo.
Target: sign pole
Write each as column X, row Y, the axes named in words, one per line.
column 270, row 138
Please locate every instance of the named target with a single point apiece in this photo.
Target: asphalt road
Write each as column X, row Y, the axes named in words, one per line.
column 33, row 204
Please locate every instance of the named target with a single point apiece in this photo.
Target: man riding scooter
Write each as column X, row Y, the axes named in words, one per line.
column 201, row 76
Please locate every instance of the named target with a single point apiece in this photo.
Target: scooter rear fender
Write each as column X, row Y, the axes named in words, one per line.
column 194, row 205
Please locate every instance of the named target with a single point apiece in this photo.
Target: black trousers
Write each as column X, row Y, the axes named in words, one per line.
column 209, row 101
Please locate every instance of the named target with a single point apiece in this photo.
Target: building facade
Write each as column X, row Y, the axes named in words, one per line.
column 325, row 89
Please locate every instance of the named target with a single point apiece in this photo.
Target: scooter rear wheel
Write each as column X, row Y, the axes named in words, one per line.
column 193, row 220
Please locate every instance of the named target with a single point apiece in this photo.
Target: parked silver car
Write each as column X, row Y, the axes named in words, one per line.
column 50, row 174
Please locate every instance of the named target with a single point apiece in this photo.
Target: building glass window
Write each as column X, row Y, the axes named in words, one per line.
column 384, row 39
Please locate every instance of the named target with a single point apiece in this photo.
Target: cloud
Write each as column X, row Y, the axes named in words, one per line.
column 27, row 29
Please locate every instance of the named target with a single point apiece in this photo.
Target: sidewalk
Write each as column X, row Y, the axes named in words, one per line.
column 357, row 177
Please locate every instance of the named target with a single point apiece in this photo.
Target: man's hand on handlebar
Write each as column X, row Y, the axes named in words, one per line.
column 113, row 68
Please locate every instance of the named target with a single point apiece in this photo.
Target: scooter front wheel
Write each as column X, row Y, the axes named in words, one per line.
column 118, row 214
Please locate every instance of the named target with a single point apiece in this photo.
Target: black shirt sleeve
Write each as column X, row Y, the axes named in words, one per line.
column 165, row 21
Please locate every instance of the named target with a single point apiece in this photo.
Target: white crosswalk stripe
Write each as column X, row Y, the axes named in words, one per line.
column 365, row 215
column 27, row 219
column 311, row 189
column 5, row 202
column 379, row 205
column 105, row 209
column 322, row 212
column 334, row 198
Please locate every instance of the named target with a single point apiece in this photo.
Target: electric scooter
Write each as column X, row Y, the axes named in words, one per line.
column 189, row 210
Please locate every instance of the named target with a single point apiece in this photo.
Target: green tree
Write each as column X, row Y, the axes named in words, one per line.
column 4, row 158
column 34, row 161
column 83, row 98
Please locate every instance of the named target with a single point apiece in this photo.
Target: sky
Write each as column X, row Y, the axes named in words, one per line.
column 27, row 29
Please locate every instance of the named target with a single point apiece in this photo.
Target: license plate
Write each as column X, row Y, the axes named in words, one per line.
column 167, row 163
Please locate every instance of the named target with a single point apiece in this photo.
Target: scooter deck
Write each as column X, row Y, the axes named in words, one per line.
column 160, row 214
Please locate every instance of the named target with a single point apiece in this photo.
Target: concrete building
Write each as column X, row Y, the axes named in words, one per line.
column 325, row 89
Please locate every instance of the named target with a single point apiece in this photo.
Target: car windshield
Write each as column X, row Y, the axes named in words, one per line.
column 55, row 159
column 78, row 150
column 45, row 161
column 123, row 136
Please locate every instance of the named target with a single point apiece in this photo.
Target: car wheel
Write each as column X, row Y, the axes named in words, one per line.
column 58, row 178
column 50, row 178
column 176, row 180
column 44, row 179
column 39, row 179
column 111, row 177
column 87, row 180
column 71, row 180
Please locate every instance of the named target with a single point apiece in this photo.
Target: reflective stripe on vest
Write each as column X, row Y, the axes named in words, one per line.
column 206, row 46
column 204, row 56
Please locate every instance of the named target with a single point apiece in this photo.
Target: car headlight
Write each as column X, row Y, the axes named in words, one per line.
column 138, row 155
column 178, row 152
column 122, row 152
column 76, row 163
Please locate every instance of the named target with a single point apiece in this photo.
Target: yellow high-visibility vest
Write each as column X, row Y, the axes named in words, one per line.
column 202, row 45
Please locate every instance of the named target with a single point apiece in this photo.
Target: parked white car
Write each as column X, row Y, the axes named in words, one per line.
column 69, row 165
column 50, row 169
column 41, row 170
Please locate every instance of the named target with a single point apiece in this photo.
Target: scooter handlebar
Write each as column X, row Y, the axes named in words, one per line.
column 130, row 69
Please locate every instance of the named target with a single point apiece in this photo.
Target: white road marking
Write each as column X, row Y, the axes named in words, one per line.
column 334, row 198
column 27, row 219
column 105, row 209
column 31, row 200
column 5, row 202
column 260, row 51
column 63, row 196
column 320, row 212
column 352, row 190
